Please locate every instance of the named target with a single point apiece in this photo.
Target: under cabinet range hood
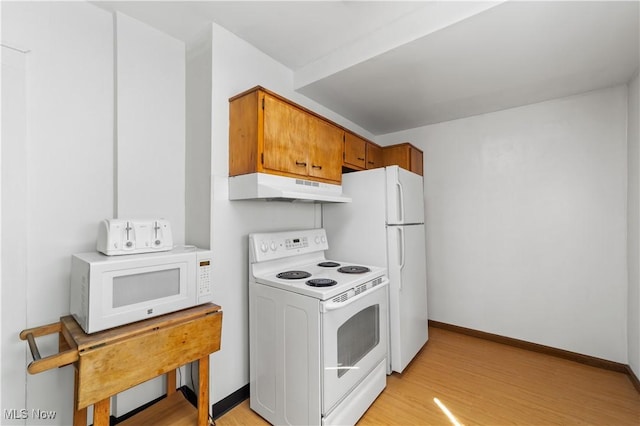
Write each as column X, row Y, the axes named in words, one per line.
column 263, row 186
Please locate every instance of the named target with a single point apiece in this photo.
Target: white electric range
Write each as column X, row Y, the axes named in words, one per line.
column 318, row 331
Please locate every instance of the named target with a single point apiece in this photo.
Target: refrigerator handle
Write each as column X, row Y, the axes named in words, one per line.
column 401, row 249
column 400, row 202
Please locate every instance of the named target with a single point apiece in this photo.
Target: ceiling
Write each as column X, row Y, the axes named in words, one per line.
column 392, row 65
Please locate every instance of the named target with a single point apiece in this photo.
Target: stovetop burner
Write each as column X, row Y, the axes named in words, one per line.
column 328, row 264
column 298, row 258
column 293, row 275
column 321, row 282
column 352, row 269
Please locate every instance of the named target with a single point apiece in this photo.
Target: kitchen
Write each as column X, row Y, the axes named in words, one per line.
column 508, row 191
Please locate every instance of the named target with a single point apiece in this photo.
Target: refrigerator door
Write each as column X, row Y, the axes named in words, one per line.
column 405, row 197
column 408, row 324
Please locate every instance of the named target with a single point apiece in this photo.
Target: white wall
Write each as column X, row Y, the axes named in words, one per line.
column 150, row 124
column 198, row 142
column 633, row 238
column 14, row 245
column 65, row 173
column 526, row 222
column 68, row 174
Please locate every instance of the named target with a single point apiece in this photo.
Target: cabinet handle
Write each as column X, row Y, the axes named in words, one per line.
column 316, row 167
column 361, row 159
column 301, row 163
column 370, row 162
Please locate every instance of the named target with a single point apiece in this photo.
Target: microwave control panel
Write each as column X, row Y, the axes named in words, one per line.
column 204, row 278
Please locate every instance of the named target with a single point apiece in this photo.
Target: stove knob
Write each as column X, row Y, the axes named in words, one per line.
column 324, row 239
column 317, row 239
column 273, row 246
column 264, row 247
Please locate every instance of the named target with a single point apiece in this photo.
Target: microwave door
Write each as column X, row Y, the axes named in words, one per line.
column 139, row 293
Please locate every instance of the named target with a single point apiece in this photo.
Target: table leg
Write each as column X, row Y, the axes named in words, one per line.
column 101, row 412
column 79, row 416
column 171, row 382
column 203, row 391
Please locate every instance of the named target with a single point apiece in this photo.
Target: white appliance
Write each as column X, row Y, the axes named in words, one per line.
column 255, row 186
column 109, row 291
column 384, row 225
column 318, row 331
column 126, row 236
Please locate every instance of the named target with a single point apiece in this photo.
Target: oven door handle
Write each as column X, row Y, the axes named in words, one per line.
column 332, row 306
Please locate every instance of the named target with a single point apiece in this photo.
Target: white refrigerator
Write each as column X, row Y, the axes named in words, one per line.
column 384, row 225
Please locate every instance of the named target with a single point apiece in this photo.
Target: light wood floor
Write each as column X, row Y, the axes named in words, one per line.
column 487, row 383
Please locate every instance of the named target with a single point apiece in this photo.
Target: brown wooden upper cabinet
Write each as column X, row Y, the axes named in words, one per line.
column 374, row 156
column 270, row 134
column 360, row 154
column 404, row 155
column 355, row 151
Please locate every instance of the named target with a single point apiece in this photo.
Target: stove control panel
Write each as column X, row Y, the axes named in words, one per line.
column 296, row 243
column 277, row 245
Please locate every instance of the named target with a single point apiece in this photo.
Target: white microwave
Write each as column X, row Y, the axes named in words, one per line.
column 109, row 291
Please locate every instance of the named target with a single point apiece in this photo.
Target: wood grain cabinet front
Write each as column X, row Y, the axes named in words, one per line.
column 360, row 154
column 270, row 134
column 355, row 152
column 404, row 155
column 325, row 151
column 374, row 156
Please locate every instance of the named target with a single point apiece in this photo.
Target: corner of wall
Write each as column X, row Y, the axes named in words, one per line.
column 633, row 224
column 198, row 141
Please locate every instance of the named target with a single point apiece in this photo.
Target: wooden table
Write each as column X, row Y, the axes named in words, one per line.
column 114, row 360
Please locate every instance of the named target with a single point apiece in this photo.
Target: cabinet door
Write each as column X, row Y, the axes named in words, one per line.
column 374, row 156
column 404, row 155
column 416, row 161
column 354, row 151
column 287, row 134
column 325, row 152
column 397, row 155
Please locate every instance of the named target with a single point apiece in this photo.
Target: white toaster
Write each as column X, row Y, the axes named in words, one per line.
column 122, row 236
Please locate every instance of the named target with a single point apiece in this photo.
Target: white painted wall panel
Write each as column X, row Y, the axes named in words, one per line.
column 13, row 311
column 151, row 124
column 69, row 168
column 198, row 143
column 526, row 222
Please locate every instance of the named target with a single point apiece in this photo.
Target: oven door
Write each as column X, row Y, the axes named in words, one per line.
column 354, row 341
